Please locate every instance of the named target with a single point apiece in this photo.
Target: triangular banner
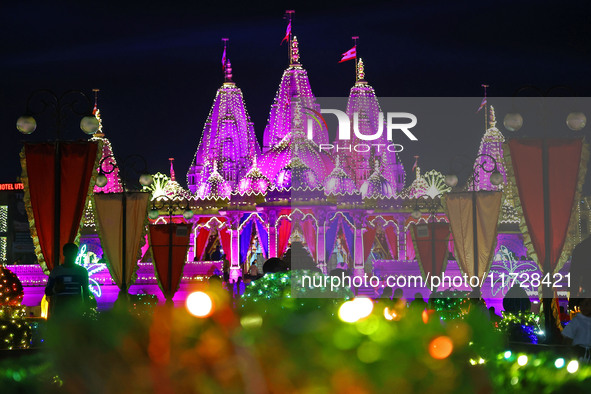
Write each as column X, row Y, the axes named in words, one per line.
column 459, row 210
column 109, row 215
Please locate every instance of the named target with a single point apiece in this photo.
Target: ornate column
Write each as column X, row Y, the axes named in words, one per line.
column 358, row 221
column 272, row 215
column 321, row 244
column 234, row 222
column 401, row 234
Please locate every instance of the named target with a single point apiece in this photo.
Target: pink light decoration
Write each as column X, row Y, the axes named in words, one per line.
column 254, row 182
column 376, row 186
column 294, row 84
column 228, row 139
column 113, row 180
column 338, row 182
column 363, row 100
column 215, row 187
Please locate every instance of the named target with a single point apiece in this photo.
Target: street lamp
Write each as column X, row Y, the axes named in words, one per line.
column 78, row 103
column 136, row 164
column 170, row 206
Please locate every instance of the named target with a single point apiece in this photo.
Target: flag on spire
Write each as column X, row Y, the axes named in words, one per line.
column 482, row 104
column 350, row 54
column 224, row 58
column 287, row 33
column 414, row 167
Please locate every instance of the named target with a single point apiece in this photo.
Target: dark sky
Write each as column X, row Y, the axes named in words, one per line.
column 158, row 63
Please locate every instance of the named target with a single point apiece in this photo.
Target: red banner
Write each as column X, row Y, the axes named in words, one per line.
column 425, row 236
column 563, row 164
column 163, row 238
column 77, row 160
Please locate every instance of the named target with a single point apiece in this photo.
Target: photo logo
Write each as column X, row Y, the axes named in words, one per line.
column 344, row 129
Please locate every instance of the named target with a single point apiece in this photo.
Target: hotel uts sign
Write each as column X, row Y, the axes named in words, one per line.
column 393, row 123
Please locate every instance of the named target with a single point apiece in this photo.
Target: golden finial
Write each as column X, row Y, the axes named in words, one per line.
column 360, row 71
column 295, row 51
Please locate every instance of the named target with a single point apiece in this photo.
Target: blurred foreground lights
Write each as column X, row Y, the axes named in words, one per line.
column 573, row 366
column 522, row 360
column 440, row 347
column 251, row 321
column 507, row 354
column 559, row 363
column 355, row 310
column 199, row 304
column 390, row 314
column 576, row 121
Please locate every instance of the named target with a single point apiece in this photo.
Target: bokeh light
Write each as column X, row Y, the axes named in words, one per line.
column 572, row 366
column 356, row 309
column 522, row 360
column 440, row 347
column 559, row 363
column 199, row 304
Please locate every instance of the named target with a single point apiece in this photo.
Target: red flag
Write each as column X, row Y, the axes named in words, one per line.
column 350, row 54
column 287, row 33
column 224, row 59
column 482, row 105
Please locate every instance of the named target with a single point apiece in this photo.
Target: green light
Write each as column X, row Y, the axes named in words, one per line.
column 507, row 354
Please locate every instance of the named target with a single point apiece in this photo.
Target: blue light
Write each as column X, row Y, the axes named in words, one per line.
column 507, row 354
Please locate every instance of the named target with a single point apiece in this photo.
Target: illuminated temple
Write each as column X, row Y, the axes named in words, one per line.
column 351, row 210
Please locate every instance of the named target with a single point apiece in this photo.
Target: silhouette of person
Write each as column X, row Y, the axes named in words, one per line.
column 67, row 285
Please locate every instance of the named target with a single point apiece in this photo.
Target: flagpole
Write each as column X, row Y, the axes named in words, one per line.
column 288, row 15
column 485, row 107
column 355, row 38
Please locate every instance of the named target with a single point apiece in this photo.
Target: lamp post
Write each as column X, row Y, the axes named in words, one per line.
column 137, row 164
column 575, row 121
column 74, row 101
column 170, row 206
column 489, row 166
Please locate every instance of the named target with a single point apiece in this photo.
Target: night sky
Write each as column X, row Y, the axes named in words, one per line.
column 158, row 64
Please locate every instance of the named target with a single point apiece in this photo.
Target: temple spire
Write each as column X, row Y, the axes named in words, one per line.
column 172, row 175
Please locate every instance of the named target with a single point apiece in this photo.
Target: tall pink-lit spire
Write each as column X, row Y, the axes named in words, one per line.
column 108, row 159
column 491, row 144
column 172, row 175
column 363, row 106
column 294, row 85
column 228, row 137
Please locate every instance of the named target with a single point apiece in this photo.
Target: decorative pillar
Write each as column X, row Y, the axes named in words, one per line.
column 401, row 234
column 272, row 215
column 358, row 269
column 234, row 222
column 321, row 244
